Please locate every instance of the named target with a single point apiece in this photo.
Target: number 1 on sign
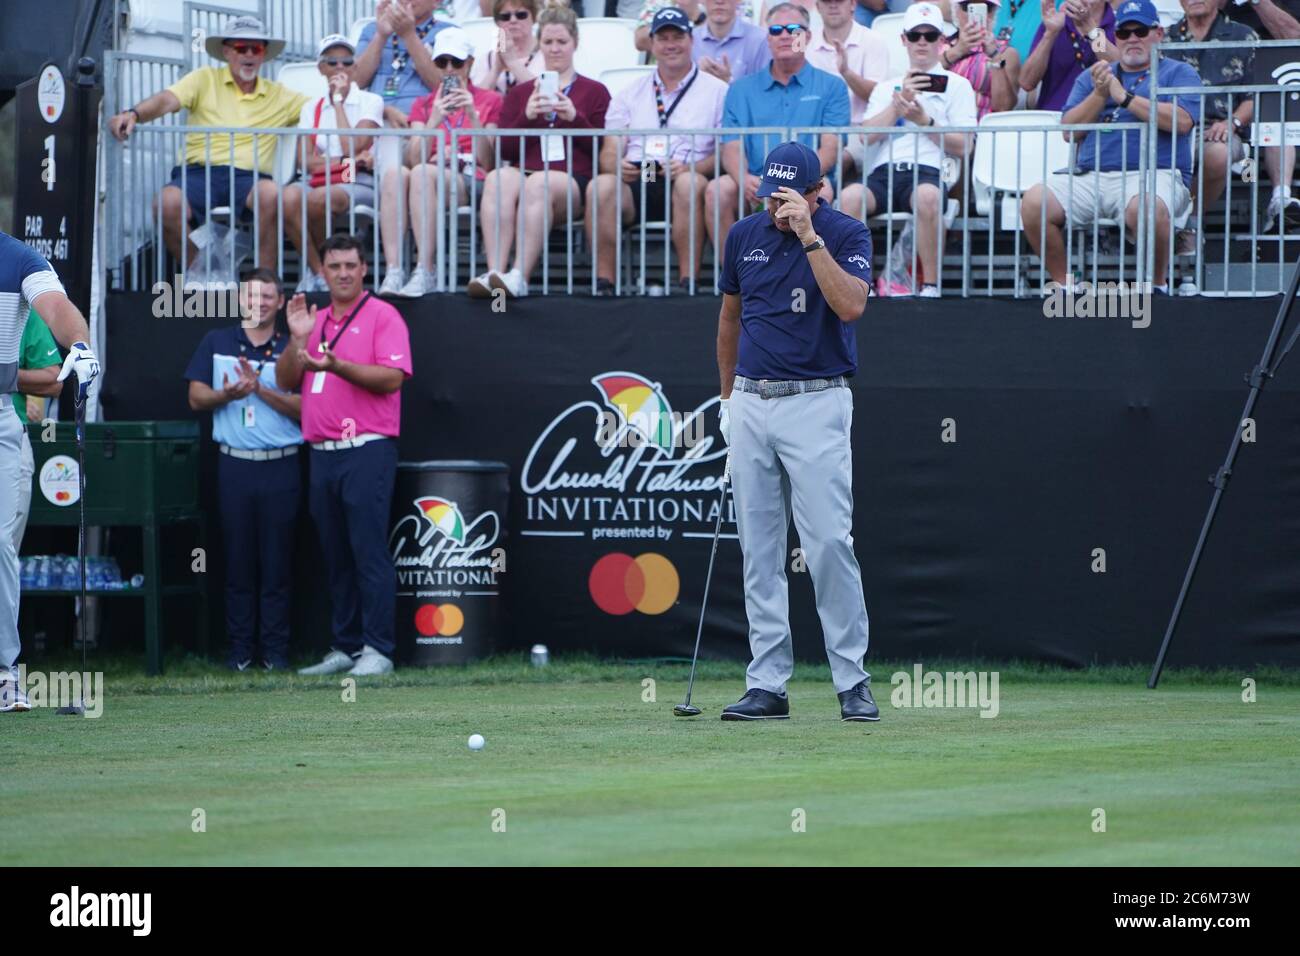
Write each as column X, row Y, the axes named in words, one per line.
column 47, row 164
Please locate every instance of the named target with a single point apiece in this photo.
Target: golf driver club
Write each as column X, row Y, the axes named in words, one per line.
column 79, row 708
column 686, row 708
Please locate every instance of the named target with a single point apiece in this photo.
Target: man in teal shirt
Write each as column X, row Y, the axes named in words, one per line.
column 791, row 92
column 38, row 370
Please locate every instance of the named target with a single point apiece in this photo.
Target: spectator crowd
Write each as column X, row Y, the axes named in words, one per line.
column 740, row 65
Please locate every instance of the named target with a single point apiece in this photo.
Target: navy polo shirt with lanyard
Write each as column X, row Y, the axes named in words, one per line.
column 250, row 423
column 764, row 266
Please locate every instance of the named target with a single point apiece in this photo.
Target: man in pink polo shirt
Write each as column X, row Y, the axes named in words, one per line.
column 349, row 362
column 677, row 95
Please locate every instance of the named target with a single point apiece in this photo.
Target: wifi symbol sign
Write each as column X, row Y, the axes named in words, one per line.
column 1288, row 74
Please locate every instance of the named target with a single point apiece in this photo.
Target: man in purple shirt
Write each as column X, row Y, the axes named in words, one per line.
column 1072, row 38
column 677, row 95
column 729, row 46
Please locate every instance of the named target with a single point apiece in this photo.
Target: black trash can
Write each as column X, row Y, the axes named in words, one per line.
column 448, row 543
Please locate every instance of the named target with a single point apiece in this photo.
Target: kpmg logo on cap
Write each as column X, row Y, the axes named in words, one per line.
column 781, row 171
column 758, row 255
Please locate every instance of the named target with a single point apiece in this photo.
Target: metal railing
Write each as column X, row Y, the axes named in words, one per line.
column 1240, row 234
column 982, row 248
column 982, row 254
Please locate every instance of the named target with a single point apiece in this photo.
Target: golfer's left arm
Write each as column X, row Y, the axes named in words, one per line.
column 845, row 294
column 64, row 319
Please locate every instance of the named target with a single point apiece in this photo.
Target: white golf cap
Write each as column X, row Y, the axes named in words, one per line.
column 452, row 42
column 331, row 41
column 923, row 14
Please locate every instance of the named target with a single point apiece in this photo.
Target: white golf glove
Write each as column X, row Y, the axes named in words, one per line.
column 724, row 419
column 82, row 361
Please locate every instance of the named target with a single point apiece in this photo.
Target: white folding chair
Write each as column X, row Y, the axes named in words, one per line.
column 1006, row 164
column 354, row 31
column 889, row 26
column 482, row 33
column 621, row 76
column 606, row 43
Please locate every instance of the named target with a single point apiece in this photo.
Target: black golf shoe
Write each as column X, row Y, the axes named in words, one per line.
column 758, row 704
column 856, row 703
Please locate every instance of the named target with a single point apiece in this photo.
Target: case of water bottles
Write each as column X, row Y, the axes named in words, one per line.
column 61, row 572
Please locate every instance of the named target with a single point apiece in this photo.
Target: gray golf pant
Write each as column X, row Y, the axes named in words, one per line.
column 11, row 474
column 794, row 451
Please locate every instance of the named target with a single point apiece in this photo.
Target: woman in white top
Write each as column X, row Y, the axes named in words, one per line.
column 335, row 170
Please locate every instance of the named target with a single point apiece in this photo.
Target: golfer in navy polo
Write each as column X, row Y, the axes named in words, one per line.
column 259, row 473
column 795, row 278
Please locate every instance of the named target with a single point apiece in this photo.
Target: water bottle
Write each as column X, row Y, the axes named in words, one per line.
column 27, row 573
column 43, row 573
column 71, row 574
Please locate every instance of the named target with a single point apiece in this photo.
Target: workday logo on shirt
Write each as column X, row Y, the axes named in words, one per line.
column 758, row 255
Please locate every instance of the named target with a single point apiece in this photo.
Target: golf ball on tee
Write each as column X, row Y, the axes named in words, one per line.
column 476, row 742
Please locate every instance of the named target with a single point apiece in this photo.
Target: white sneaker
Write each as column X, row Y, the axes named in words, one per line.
column 480, row 287
column 420, row 283
column 512, row 281
column 12, row 699
column 928, row 292
column 335, row 662
column 371, row 663
column 394, row 280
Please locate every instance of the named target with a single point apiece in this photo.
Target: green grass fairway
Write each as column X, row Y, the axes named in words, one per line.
column 588, row 773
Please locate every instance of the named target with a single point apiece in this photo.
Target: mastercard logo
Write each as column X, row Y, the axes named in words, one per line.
column 621, row 584
column 439, row 620
column 62, row 495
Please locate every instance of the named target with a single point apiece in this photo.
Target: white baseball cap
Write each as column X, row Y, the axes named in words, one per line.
column 923, row 14
column 454, row 42
column 331, row 41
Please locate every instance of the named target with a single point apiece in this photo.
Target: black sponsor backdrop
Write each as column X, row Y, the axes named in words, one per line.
column 1072, row 435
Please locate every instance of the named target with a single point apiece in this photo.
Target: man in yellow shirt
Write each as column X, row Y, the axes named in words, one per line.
column 219, row 169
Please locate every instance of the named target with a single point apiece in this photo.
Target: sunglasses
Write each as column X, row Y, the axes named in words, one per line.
column 516, row 14
column 244, row 49
column 338, row 61
column 1123, row 33
column 916, row 36
column 776, row 29
column 448, row 62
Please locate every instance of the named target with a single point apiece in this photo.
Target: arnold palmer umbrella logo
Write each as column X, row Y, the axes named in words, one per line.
column 640, row 406
column 433, row 545
column 624, row 464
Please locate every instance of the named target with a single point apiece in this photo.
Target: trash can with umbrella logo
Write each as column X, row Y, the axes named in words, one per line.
column 448, row 546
